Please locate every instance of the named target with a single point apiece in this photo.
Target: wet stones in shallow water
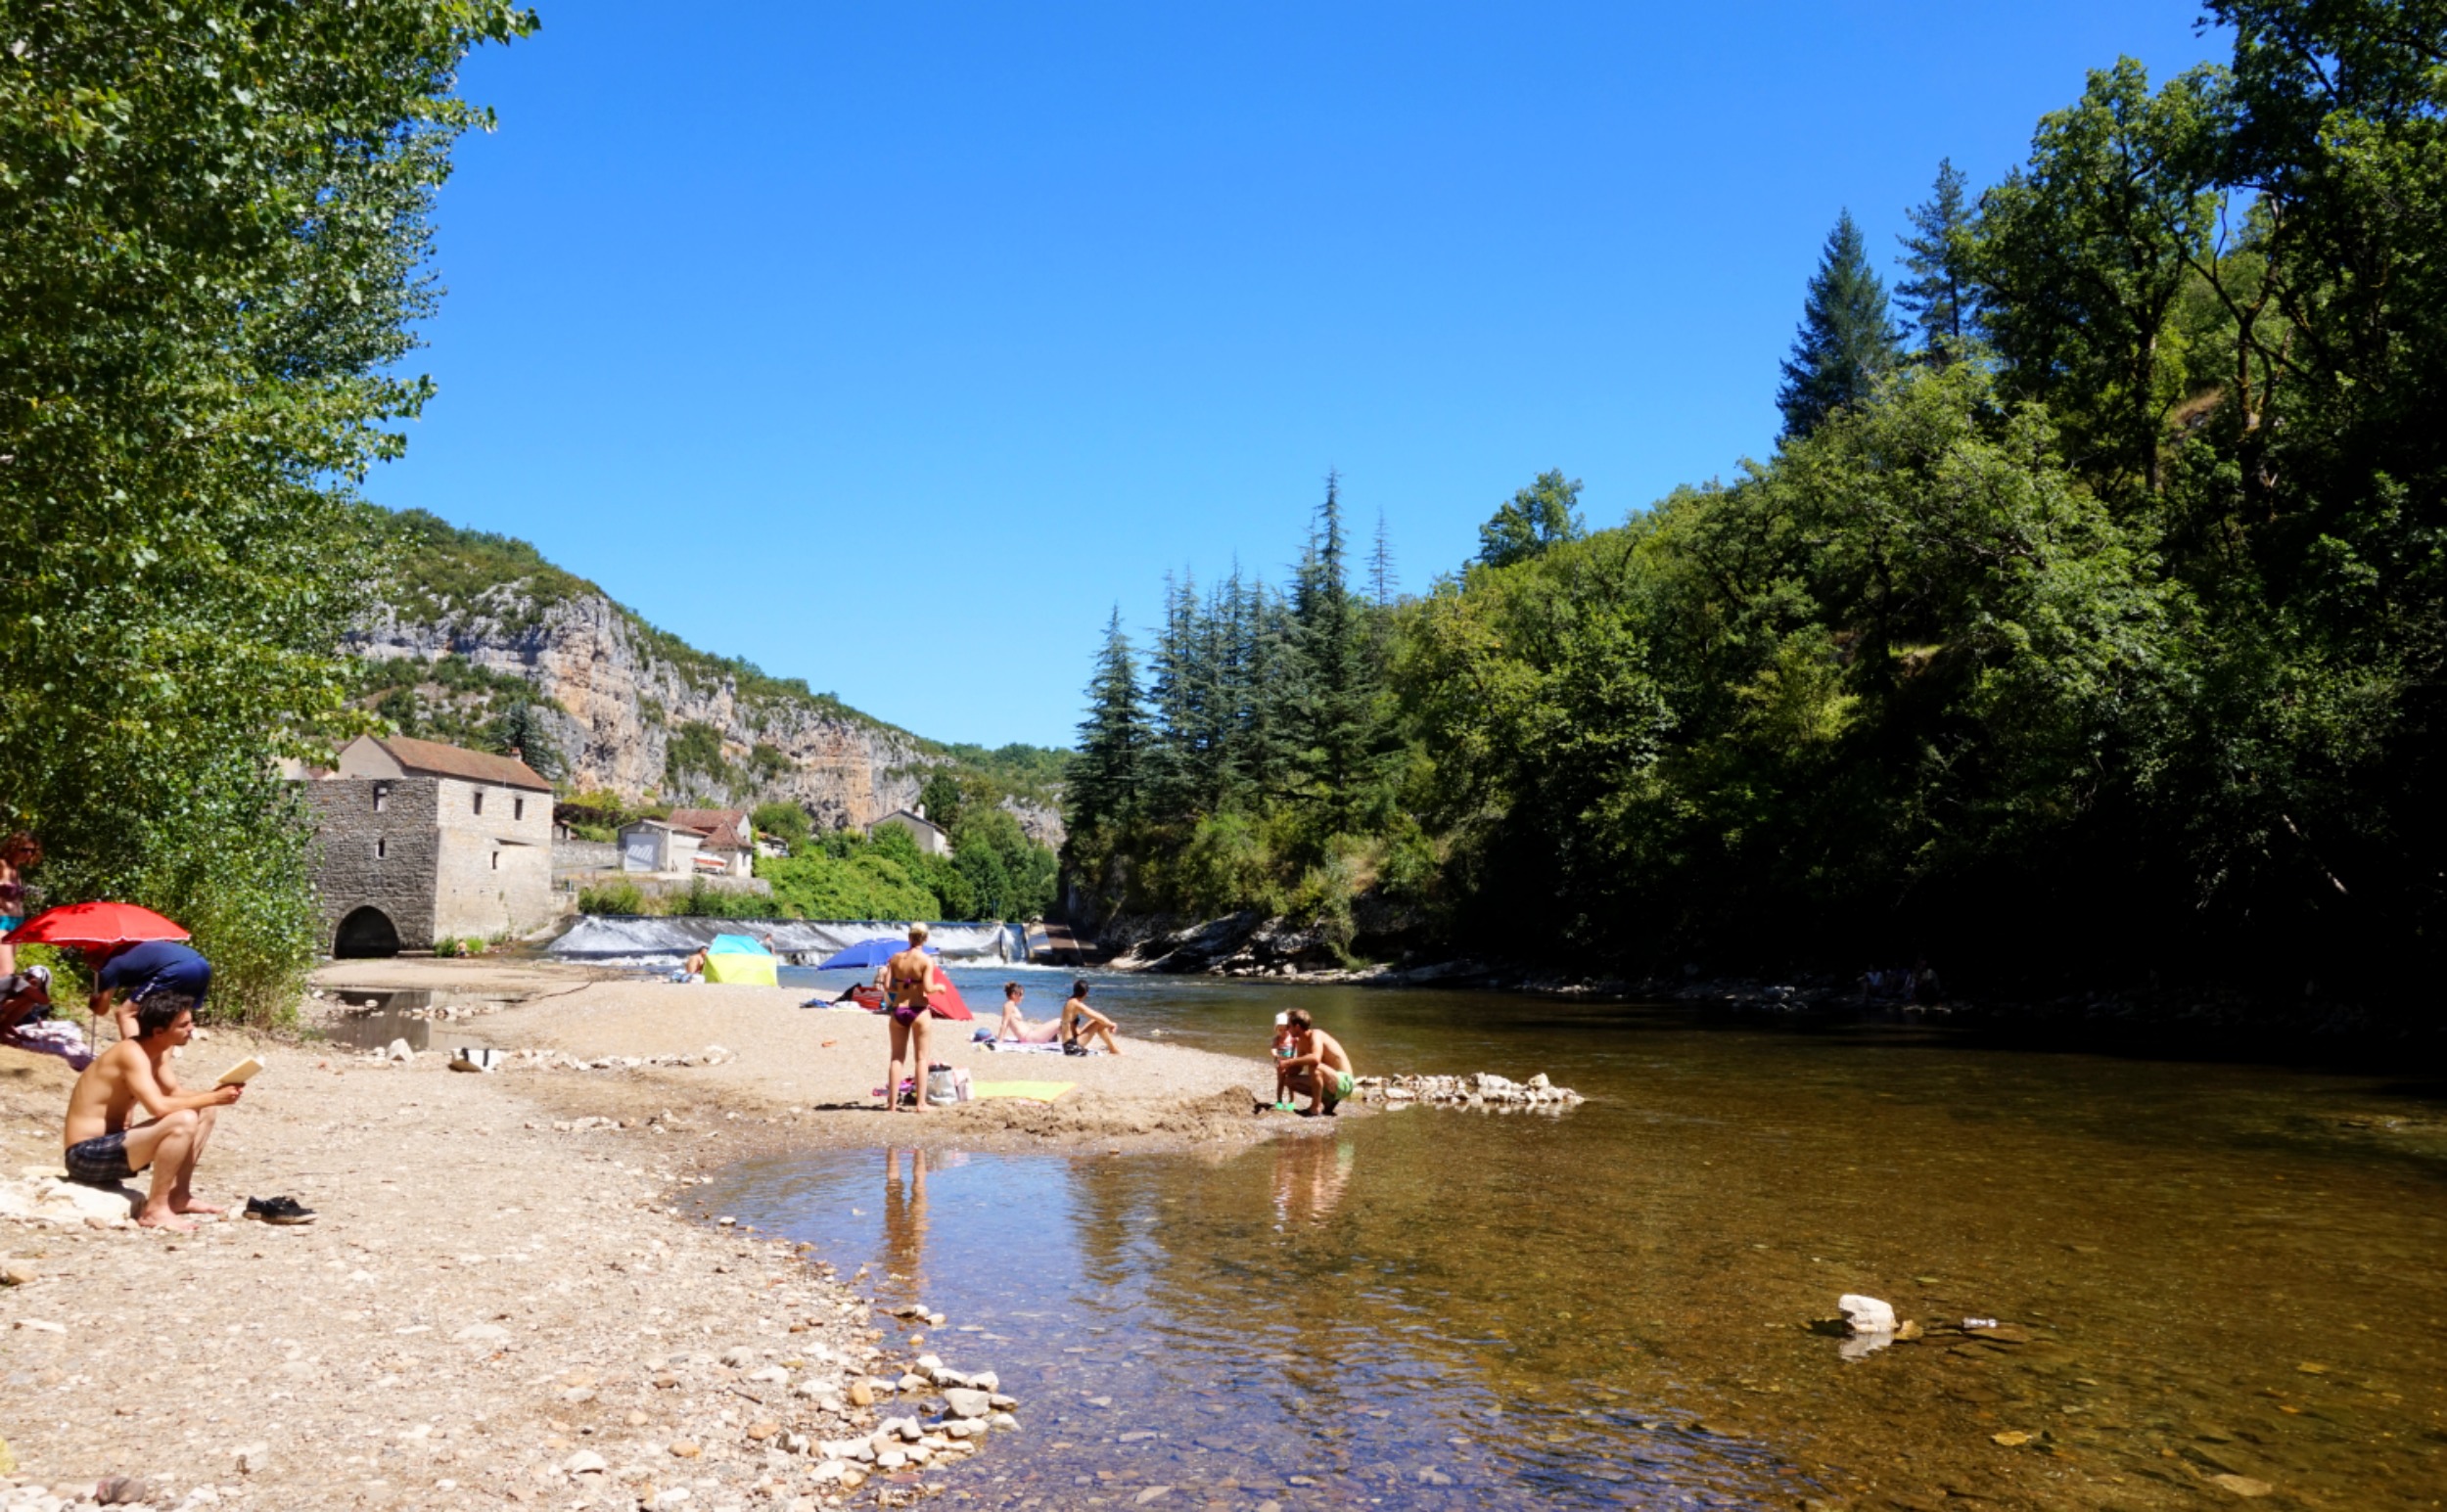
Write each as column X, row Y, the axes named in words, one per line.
column 1485, row 1090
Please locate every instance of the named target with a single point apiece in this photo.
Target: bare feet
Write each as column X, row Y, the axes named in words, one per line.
column 152, row 1219
column 194, row 1209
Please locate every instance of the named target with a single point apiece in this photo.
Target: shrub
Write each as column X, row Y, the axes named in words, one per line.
column 611, row 897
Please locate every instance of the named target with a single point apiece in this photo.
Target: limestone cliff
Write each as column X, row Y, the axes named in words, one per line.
column 480, row 635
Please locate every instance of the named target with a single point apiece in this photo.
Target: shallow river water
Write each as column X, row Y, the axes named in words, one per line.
column 2226, row 1281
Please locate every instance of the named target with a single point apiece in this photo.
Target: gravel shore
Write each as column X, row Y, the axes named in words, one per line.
column 502, row 1304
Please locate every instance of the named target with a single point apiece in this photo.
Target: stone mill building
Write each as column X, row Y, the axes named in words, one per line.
column 421, row 842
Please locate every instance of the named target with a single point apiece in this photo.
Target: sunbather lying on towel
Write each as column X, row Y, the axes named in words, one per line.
column 1021, row 1031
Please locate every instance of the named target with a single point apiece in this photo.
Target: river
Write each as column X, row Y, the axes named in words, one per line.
column 2219, row 1282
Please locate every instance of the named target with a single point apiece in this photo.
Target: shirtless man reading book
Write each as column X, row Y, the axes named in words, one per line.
column 106, row 1148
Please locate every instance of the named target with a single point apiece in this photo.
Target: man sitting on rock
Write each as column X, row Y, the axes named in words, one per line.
column 105, row 1149
column 1319, row 1067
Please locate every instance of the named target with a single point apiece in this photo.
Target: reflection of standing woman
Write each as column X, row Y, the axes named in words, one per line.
column 1081, row 1022
column 19, row 853
column 905, row 1216
column 910, row 977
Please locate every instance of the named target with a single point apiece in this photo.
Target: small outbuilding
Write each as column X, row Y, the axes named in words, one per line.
column 728, row 842
column 930, row 837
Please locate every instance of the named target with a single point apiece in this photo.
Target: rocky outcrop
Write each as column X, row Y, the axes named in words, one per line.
column 616, row 702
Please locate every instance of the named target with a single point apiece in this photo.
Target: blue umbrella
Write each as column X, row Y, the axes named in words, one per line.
column 869, row 953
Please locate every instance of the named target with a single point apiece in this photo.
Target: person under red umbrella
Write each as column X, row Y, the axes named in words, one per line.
column 124, row 975
column 134, row 953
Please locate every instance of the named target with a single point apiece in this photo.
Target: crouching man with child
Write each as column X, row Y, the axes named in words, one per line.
column 1318, row 1067
column 106, row 1146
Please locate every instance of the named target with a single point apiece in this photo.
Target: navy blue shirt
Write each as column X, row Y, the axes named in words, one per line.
column 155, row 966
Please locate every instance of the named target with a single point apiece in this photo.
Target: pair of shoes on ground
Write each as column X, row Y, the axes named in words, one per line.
column 278, row 1209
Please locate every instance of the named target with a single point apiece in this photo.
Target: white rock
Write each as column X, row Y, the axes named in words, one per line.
column 928, row 1364
column 399, row 1051
column 891, row 1459
column 911, row 1383
column 739, row 1357
column 253, row 1457
column 771, row 1374
column 482, row 1333
column 1004, row 1422
column 1865, row 1314
column 587, row 1462
column 986, row 1381
column 1002, row 1403
column 964, row 1402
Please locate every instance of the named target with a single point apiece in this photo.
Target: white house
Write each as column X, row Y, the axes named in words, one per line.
column 930, row 838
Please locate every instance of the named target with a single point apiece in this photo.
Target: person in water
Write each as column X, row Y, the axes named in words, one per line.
column 106, row 1145
column 1081, row 1022
column 1320, row 1068
column 1021, row 1031
column 911, row 978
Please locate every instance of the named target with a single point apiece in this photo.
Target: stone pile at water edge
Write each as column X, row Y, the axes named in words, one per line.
column 1485, row 1090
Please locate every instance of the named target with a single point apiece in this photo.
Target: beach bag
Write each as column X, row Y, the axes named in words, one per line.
column 946, row 1085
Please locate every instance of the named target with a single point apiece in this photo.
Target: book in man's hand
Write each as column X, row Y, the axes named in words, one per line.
column 240, row 1074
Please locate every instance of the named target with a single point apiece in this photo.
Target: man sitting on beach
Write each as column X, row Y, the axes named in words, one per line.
column 104, row 1148
column 1319, row 1067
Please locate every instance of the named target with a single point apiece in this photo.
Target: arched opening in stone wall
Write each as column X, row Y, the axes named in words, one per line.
column 366, row 932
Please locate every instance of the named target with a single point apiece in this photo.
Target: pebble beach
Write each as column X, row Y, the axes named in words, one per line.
column 508, row 1298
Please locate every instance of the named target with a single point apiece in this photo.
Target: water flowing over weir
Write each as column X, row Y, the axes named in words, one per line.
column 801, row 942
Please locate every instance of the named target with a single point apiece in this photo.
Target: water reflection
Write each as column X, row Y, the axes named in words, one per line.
column 2212, row 1272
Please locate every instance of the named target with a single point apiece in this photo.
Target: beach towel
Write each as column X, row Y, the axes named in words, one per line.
column 1037, row 1091
column 1015, row 1047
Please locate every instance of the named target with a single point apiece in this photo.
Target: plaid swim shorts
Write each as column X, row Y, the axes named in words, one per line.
column 100, row 1161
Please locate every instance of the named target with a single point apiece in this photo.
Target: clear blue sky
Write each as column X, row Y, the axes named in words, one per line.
column 890, row 345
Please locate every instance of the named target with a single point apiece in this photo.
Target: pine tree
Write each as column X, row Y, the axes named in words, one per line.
column 1342, row 733
column 1845, row 344
column 1104, row 781
column 1941, row 296
column 1381, row 574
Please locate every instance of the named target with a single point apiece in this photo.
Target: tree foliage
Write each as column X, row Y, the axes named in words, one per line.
column 1846, row 343
column 2109, row 643
column 212, row 247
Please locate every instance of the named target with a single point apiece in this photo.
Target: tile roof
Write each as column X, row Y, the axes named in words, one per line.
column 726, row 828
column 432, row 758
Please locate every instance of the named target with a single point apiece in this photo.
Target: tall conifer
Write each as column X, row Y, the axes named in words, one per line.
column 1103, row 784
column 1941, row 296
column 1846, row 343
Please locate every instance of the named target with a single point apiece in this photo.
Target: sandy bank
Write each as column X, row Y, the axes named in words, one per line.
column 494, row 1296
column 814, row 1071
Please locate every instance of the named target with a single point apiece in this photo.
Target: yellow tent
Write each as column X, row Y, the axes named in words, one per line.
column 739, row 961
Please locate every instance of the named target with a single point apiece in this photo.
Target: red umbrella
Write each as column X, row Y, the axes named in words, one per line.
column 94, row 927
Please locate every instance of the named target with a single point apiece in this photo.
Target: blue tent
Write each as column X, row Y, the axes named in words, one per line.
column 868, row 953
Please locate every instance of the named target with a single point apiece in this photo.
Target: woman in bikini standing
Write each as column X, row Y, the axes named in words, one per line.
column 910, row 977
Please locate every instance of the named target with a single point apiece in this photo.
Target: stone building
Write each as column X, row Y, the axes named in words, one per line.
column 422, row 842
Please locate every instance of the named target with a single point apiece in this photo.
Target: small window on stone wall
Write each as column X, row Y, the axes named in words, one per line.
column 480, row 801
column 518, row 808
column 496, row 861
column 382, row 848
column 382, row 796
